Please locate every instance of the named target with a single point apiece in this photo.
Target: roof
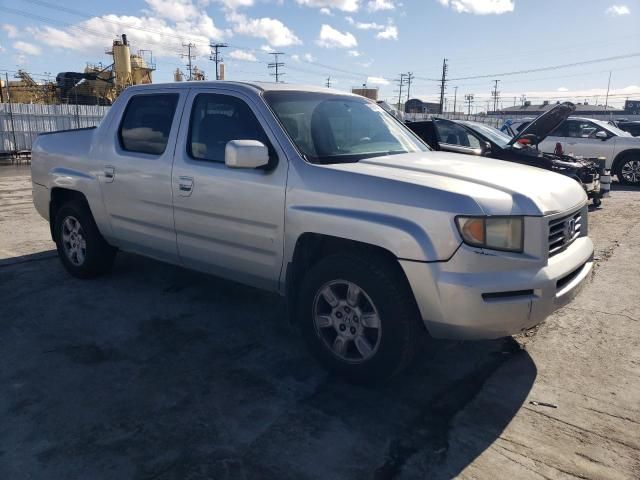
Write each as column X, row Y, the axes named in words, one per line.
column 246, row 86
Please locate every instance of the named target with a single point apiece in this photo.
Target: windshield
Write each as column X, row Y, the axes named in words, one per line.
column 496, row 136
column 615, row 130
column 330, row 128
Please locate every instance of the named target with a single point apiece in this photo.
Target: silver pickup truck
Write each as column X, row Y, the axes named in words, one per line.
column 325, row 198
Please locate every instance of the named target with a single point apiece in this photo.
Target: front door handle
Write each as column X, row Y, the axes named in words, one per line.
column 109, row 173
column 185, row 186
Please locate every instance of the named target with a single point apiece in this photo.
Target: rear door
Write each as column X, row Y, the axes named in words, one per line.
column 136, row 172
column 229, row 222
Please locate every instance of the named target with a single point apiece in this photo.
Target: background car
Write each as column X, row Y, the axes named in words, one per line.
column 632, row 127
column 474, row 138
column 595, row 138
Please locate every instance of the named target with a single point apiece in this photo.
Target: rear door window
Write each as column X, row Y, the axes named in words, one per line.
column 146, row 123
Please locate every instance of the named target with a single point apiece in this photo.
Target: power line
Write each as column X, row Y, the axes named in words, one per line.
column 215, row 56
column 554, row 67
column 276, row 65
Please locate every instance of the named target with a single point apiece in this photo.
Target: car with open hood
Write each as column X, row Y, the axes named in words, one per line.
column 616, row 142
column 474, row 138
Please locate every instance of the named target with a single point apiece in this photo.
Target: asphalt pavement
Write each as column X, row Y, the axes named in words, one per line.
column 156, row 372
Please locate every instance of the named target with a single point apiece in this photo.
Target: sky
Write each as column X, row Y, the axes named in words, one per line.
column 525, row 44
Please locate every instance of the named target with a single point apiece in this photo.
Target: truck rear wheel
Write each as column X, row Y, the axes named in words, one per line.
column 358, row 317
column 83, row 251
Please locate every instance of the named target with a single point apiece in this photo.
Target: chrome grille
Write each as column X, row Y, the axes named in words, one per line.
column 563, row 231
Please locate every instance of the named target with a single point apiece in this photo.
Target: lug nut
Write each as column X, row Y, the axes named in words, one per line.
column 355, row 318
column 353, row 330
column 342, row 327
column 339, row 314
column 347, row 309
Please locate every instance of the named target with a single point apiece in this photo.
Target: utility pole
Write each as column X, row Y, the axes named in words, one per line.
column 189, row 57
column 215, row 56
column 400, row 85
column 443, row 84
column 328, row 84
column 469, row 99
column 455, row 99
column 276, row 65
column 523, row 99
column 410, row 77
column 606, row 103
column 495, row 94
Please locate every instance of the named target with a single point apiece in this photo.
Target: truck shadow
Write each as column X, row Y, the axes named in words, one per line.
column 159, row 372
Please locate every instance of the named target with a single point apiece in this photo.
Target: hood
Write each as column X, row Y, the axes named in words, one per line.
column 546, row 123
column 497, row 187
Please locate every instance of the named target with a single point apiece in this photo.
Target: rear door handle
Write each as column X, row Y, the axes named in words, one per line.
column 109, row 174
column 185, row 186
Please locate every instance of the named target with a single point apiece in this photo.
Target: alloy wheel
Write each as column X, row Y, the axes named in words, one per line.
column 73, row 241
column 631, row 171
column 347, row 321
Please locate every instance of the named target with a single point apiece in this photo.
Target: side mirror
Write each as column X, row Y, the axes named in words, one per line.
column 602, row 135
column 246, row 154
column 486, row 149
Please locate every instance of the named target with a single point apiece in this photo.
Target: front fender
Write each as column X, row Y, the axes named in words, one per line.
column 404, row 238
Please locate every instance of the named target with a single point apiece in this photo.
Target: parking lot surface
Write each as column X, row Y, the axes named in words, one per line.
column 156, row 372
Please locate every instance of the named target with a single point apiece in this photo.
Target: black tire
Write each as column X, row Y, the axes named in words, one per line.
column 621, row 164
column 383, row 283
column 597, row 201
column 98, row 255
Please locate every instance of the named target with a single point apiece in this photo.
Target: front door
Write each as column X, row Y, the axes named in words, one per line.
column 229, row 222
column 455, row 138
column 136, row 173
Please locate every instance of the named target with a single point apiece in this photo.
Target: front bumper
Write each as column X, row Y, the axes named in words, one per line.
column 469, row 298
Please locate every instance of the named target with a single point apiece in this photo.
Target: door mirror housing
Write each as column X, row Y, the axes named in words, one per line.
column 602, row 135
column 246, row 154
column 486, row 149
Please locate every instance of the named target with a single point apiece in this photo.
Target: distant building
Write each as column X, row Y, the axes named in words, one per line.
column 370, row 93
column 416, row 105
column 632, row 107
column 534, row 110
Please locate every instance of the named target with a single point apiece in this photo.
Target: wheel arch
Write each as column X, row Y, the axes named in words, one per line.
column 60, row 196
column 311, row 247
column 621, row 156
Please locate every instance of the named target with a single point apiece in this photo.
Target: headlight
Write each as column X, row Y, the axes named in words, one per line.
column 495, row 233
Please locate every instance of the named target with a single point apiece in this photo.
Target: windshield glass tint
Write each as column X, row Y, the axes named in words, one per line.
column 612, row 129
column 337, row 129
column 496, row 136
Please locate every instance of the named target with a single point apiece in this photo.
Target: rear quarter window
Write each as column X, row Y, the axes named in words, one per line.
column 146, row 123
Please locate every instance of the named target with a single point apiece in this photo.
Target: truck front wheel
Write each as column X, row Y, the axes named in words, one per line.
column 359, row 317
column 81, row 248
